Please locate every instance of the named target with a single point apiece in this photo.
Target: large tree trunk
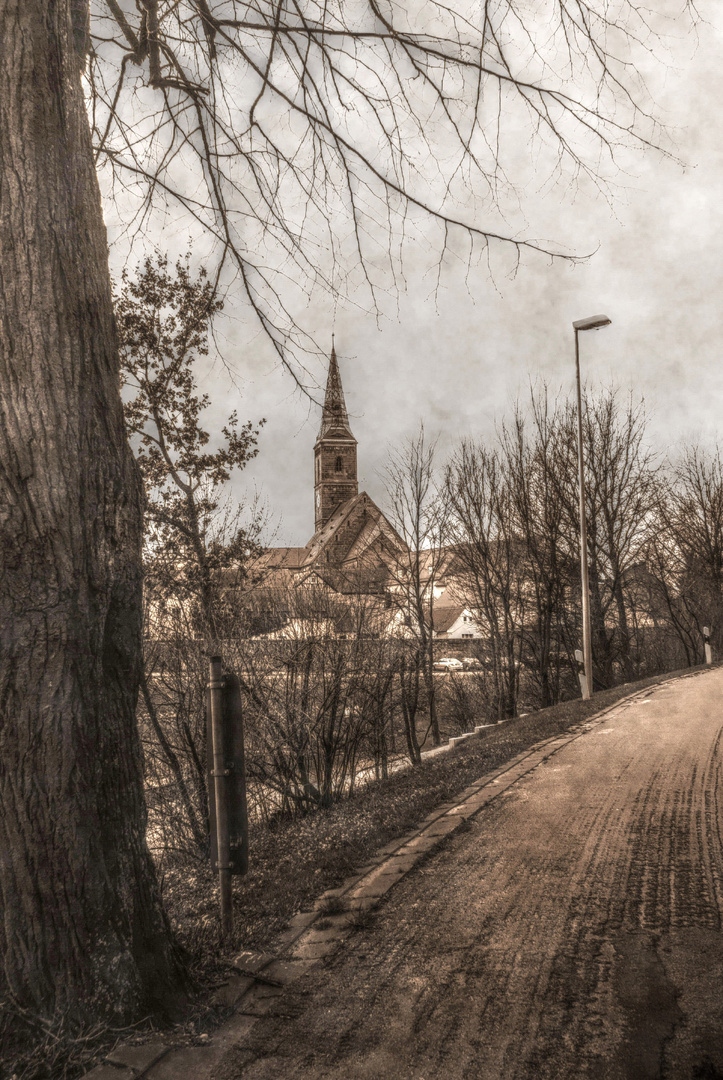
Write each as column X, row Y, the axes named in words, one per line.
column 81, row 928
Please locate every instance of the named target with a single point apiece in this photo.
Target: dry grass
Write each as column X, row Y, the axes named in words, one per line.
column 32, row 1048
column 333, row 905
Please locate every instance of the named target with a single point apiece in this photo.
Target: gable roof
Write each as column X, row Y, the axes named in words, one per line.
column 351, row 541
column 323, row 536
column 445, row 615
column 359, row 510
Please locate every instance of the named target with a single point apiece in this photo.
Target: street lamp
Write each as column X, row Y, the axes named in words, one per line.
column 592, row 323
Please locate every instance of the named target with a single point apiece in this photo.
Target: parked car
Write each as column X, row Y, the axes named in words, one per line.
column 448, row 663
column 470, row 662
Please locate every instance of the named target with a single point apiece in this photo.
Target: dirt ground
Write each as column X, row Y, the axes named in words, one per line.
column 573, row 930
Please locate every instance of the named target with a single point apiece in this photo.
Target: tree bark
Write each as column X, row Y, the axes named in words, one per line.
column 81, row 930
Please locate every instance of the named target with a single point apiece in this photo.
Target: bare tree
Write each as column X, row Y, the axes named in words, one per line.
column 692, row 511
column 669, row 613
column 316, row 691
column 490, row 557
column 540, row 461
column 410, row 695
column 622, row 487
column 417, row 507
column 622, row 492
column 173, row 732
column 621, row 474
column 377, row 701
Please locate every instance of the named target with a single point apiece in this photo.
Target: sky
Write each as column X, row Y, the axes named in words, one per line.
column 456, row 358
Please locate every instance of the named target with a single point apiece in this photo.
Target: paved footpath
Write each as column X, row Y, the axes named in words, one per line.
column 562, row 921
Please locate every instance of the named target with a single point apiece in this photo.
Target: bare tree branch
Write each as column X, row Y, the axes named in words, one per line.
column 312, row 139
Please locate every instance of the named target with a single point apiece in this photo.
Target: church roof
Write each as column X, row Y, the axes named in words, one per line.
column 281, row 558
column 359, row 520
column 322, row 537
column 334, row 417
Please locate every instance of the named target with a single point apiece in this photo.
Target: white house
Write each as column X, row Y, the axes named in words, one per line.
column 454, row 621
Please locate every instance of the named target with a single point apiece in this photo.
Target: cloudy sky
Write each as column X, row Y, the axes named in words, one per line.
column 456, row 357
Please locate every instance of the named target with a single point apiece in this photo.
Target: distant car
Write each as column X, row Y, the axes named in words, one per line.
column 448, row 663
column 469, row 662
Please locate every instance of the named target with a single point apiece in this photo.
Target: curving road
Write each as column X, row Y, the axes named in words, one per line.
column 574, row 930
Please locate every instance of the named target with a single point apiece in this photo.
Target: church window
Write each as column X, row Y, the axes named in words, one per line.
column 339, row 464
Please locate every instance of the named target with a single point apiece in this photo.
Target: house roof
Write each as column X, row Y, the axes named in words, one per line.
column 338, row 519
column 353, row 581
column 444, row 616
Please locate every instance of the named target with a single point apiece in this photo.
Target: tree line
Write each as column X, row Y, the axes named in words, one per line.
column 337, row 670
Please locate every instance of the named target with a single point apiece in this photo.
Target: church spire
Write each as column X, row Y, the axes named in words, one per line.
column 334, row 417
column 335, row 476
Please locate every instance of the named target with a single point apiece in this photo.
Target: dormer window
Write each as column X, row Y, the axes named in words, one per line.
column 339, row 467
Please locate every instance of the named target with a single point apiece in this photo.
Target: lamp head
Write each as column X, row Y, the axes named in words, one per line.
column 592, row 323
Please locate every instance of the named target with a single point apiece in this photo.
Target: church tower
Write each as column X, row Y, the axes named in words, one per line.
column 335, row 478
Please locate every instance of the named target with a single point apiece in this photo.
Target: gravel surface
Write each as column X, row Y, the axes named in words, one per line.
column 574, row 930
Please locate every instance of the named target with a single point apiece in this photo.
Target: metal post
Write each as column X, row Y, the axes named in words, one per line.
column 586, row 626
column 220, row 772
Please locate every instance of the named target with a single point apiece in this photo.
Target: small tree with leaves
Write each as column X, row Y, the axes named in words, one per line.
column 196, row 547
column 193, row 540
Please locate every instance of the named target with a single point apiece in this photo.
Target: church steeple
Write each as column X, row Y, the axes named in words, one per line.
column 334, row 417
column 335, row 476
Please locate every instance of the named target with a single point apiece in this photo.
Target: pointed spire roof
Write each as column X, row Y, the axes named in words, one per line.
column 334, row 417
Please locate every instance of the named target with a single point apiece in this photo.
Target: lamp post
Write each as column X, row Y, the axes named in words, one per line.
column 584, row 324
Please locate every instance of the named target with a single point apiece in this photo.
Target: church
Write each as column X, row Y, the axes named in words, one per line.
column 355, row 549
column 352, row 538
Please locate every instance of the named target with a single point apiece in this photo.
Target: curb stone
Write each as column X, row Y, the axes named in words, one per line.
column 130, row 1062
column 302, row 946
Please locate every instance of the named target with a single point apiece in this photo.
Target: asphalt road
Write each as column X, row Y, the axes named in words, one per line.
column 573, row 930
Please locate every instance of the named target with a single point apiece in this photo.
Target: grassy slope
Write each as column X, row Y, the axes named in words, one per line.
column 294, row 861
